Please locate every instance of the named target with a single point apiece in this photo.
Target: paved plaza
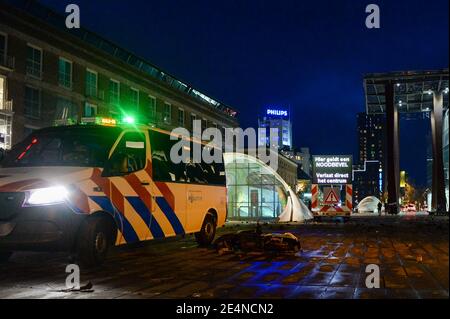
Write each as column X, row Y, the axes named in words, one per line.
column 412, row 253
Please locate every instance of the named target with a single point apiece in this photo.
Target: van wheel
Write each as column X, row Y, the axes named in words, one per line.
column 4, row 256
column 206, row 235
column 94, row 240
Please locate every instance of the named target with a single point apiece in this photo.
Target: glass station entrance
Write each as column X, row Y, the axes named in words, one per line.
column 254, row 192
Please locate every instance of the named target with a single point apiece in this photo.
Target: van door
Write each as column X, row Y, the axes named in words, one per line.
column 196, row 192
column 170, row 180
column 125, row 163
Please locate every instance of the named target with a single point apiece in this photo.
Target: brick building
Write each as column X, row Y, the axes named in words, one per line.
column 53, row 75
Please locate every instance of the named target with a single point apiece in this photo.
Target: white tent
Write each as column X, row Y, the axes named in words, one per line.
column 368, row 205
column 295, row 211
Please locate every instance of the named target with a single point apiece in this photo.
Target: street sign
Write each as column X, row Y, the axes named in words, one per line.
column 331, row 195
column 332, row 169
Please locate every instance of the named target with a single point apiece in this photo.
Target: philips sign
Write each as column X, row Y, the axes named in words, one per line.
column 277, row 112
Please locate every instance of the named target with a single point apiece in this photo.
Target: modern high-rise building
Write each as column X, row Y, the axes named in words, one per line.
column 371, row 143
column 277, row 118
column 366, row 181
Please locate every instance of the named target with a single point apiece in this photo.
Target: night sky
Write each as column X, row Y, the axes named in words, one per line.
column 309, row 55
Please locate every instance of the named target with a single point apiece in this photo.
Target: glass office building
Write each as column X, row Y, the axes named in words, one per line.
column 276, row 119
column 254, row 191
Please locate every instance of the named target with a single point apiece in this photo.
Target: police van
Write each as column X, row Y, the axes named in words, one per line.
column 85, row 188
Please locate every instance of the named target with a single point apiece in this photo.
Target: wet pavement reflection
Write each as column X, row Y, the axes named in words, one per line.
column 412, row 254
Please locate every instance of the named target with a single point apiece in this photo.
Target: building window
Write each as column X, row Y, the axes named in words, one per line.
column 2, row 92
column 34, row 61
column 32, row 102
column 181, row 117
column 90, row 110
column 65, row 73
column 66, row 110
column 167, row 114
column 114, row 92
column 2, row 47
column 134, row 99
column 91, row 83
column 152, row 107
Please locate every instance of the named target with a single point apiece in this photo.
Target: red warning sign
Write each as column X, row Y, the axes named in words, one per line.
column 331, row 195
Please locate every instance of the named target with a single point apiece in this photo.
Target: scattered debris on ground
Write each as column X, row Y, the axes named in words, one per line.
column 257, row 241
column 84, row 288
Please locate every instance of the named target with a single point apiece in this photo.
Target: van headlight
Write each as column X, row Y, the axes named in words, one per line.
column 46, row 196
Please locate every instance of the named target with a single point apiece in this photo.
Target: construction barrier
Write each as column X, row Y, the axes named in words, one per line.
column 331, row 210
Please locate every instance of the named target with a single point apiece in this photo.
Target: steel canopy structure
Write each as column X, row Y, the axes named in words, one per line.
column 413, row 91
column 410, row 92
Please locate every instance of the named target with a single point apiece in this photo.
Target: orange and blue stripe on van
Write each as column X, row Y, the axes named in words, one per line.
column 125, row 198
column 130, row 203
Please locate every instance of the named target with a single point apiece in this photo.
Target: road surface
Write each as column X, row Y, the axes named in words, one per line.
column 412, row 253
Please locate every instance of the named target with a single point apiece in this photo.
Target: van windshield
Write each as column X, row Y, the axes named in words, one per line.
column 64, row 146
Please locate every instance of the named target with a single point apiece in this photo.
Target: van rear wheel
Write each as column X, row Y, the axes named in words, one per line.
column 94, row 240
column 4, row 256
column 206, row 234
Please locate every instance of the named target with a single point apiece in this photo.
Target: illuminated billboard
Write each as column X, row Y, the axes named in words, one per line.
column 276, row 112
column 332, row 169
